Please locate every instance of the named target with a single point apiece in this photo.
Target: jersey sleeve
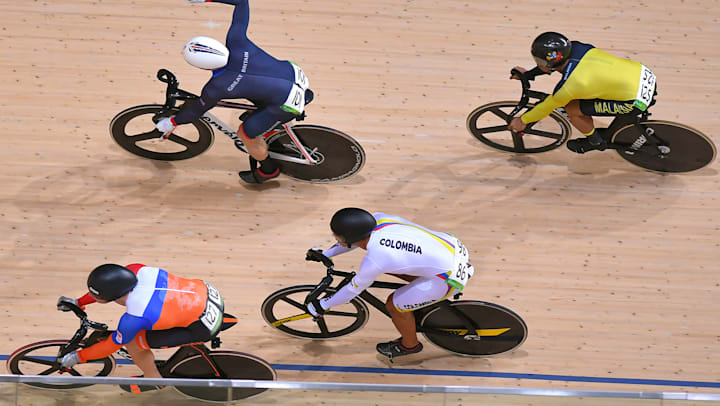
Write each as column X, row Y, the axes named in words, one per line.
column 559, row 99
column 134, row 267
column 369, row 271
column 128, row 327
column 337, row 249
column 210, row 96
column 237, row 34
column 238, row 27
column 85, row 300
column 99, row 350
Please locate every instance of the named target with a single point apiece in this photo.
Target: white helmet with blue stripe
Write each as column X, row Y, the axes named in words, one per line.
column 206, row 53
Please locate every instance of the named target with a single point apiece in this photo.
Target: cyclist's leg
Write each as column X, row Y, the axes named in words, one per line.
column 581, row 113
column 417, row 294
column 581, row 121
column 140, row 347
column 268, row 93
column 143, row 356
column 253, row 131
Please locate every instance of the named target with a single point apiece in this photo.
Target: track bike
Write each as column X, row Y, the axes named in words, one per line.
column 464, row 327
column 303, row 152
column 194, row 361
column 655, row 145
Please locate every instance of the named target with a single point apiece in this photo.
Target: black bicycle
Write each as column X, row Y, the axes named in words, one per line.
column 464, row 327
column 193, row 361
column 304, row 152
column 660, row 146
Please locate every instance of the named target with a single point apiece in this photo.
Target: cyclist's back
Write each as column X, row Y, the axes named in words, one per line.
column 161, row 300
column 591, row 74
column 401, row 246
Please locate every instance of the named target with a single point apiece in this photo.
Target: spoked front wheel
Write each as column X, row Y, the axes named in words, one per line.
column 234, row 365
column 670, row 147
column 500, row 329
column 488, row 123
column 285, row 311
column 337, row 154
column 41, row 359
column 134, row 131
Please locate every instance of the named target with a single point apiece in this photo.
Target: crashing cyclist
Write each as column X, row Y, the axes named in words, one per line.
column 427, row 259
column 594, row 83
column 243, row 70
column 163, row 310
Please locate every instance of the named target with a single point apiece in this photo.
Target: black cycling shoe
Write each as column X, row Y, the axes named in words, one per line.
column 257, row 176
column 134, row 388
column 590, row 143
column 394, row 348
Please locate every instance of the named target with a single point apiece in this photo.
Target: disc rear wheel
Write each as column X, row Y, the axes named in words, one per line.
column 233, row 365
column 337, row 154
column 672, row 147
column 500, row 329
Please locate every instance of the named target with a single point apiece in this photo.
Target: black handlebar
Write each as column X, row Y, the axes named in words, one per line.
column 173, row 93
column 166, row 76
column 80, row 313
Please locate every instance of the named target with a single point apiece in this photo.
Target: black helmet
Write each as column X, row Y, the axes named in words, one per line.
column 551, row 49
column 352, row 224
column 110, row 281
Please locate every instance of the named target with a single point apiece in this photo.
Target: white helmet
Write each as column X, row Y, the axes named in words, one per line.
column 206, row 53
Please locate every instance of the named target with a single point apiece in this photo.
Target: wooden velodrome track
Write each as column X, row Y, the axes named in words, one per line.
column 614, row 269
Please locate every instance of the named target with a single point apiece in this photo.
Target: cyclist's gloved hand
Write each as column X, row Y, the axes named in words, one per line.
column 316, row 254
column 62, row 306
column 315, row 308
column 516, row 75
column 166, row 125
column 516, row 124
column 70, row 360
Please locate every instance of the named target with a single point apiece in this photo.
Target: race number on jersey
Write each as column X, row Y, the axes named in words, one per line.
column 213, row 314
column 462, row 271
column 646, row 88
column 295, row 102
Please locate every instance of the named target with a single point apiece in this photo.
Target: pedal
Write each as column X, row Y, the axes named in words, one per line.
column 457, row 295
column 215, row 343
column 123, row 353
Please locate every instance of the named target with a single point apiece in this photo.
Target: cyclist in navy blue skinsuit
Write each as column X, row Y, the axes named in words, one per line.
column 252, row 74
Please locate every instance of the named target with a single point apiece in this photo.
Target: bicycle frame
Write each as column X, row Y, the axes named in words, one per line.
column 372, row 300
column 174, row 94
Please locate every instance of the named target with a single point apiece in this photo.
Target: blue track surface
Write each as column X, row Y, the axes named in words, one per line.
column 479, row 374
